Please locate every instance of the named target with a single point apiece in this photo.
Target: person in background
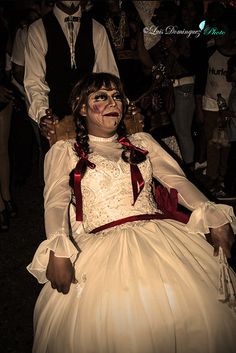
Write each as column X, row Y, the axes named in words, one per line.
column 7, row 207
column 212, row 81
column 178, row 54
column 34, row 11
column 230, row 115
column 121, row 274
column 158, row 104
column 62, row 47
column 125, row 31
column 25, row 130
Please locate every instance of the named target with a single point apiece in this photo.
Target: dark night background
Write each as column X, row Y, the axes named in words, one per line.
column 19, row 289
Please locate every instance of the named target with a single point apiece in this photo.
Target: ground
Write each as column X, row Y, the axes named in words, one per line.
column 18, row 289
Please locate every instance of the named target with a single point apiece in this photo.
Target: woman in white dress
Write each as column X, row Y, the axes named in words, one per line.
column 119, row 276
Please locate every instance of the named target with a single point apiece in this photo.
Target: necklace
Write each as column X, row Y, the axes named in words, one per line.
column 118, row 33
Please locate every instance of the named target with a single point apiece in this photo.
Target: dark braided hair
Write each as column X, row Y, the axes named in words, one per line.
column 79, row 96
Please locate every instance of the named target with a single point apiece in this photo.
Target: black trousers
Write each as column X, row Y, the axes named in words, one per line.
column 230, row 177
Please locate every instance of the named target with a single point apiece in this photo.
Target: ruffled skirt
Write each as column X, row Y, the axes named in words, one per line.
column 145, row 287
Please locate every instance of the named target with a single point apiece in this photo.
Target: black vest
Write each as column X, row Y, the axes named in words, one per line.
column 60, row 77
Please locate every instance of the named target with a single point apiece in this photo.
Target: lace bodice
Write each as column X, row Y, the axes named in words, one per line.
column 108, row 189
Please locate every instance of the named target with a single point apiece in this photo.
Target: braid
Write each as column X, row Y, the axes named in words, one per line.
column 134, row 157
column 82, row 134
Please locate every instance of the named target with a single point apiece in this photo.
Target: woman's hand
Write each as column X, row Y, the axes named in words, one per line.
column 222, row 237
column 61, row 273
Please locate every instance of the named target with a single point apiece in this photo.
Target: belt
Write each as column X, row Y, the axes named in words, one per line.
column 183, row 81
column 140, row 217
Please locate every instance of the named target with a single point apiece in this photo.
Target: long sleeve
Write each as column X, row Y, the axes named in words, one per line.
column 104, row 58
column 18, row 48
column 59, row 162
column 205, row 214
column 57, row 192
column 35, row 68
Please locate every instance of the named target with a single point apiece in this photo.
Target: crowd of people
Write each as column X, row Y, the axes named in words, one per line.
column 125, row 271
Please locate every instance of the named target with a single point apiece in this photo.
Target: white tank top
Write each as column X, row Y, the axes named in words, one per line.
column 216, row 81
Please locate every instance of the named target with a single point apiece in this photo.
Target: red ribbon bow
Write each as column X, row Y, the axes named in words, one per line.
column 167, row 202
column 136, row 176
column 126, row 142
column 80, row 170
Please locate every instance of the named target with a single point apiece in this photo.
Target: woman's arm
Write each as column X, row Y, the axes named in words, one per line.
column 57, row 249
column 168, row 172
column 207, row 217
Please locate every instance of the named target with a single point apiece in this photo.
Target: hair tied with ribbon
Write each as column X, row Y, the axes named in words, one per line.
column 79, row 172
column 131, row 153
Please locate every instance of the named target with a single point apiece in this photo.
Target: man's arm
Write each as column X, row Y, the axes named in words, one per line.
column 104, row 58
column 35, row 69
column 18, row 56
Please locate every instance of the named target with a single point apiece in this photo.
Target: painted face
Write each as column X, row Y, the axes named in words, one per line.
column 104, row 112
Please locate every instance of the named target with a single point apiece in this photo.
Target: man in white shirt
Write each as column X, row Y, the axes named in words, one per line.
column 216, row 83
column 61, row 48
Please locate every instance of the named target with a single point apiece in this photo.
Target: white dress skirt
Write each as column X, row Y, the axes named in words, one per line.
column 143, row 287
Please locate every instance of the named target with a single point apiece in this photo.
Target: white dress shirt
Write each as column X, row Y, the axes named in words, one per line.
column 35, row 66
column 18, row 56
column 18, row 48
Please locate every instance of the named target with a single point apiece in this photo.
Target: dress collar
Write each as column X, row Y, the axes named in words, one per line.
column 93, row 138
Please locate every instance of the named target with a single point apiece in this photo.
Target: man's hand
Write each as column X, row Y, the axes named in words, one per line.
column 47, row 125
column 222, row 237
column 6, row 95
column 61, row 273
column 225, row 116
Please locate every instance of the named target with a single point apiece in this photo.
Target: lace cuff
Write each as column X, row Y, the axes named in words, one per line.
column 60, row 245
column 211, row 215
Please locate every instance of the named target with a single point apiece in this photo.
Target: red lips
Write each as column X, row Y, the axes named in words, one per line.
column 112, row 114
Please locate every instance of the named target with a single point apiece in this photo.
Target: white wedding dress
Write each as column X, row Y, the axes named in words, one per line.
column 143, row 287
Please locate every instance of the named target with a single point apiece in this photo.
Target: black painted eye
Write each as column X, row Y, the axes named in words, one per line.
column 117, row 96
column 100, row 97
